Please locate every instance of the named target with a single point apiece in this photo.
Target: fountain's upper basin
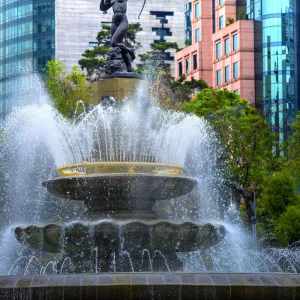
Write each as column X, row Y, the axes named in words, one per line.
column 122, row 195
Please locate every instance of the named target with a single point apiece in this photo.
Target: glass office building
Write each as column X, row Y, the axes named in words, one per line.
column 27, row 40
column 279, row 49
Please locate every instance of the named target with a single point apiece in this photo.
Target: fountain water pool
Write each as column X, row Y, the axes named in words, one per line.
column 38, row 141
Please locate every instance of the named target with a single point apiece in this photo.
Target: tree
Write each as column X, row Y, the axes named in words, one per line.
column 292, row 157
column 96, row 58
column 279, row 192
column 155, row 59
column 244, row 135
column 278, row 195
column 172, row 93
column 288, row 225
column 67, row 90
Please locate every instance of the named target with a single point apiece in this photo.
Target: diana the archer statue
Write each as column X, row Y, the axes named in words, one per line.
column 119, row 28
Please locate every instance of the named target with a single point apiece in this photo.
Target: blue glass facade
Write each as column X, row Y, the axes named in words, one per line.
column 279, row 50
column 27, row 37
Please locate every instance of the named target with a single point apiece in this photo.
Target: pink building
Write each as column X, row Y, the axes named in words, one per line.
column 222, row 48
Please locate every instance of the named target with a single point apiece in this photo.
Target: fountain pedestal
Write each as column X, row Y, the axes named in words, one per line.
column 118, row 88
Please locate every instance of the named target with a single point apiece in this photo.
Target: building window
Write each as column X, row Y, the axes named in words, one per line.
column 227, row 74
column 235, row 42
column 236, row 92
column 221, row 22
column 218, row 50
column 195, row 61
column 221, row 2
column 197, row 10
column 197, row 35
column 219, row 77
column 226, row 46
column 187, row 65
column 180, row 68
column 235, row 70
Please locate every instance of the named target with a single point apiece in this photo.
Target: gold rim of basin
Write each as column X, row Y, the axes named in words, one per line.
column 131, row 168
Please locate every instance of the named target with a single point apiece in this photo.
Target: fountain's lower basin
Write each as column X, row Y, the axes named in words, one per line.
column 115, row 235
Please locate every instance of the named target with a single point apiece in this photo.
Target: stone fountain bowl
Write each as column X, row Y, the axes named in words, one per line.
column 122, row 195
column 115, row 235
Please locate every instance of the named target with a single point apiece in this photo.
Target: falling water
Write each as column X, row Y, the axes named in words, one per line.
column 38, row 140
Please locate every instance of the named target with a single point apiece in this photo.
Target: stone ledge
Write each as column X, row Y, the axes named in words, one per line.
column 267, row 286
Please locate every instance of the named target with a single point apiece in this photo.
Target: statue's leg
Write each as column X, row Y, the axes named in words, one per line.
column 118, row 33
column 113, row 29
column 118, row 36
column 127, row 61
column 126, row 49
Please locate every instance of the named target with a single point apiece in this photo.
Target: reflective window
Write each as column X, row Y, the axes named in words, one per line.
column 219, row 77
column 235, row 42
column 180, row 68
column 235, row 70
column 197, row 35
column 27, row 35
column 218, row 50
column 279, row 61
column 195, row 61
column 226, row 47
column 221, row 22
column 227, row 74
column 187, row 65
column 197, row 10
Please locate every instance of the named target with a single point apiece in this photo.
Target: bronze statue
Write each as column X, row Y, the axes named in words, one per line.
column 119, row 28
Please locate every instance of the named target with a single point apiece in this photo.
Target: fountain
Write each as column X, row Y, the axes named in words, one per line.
column 119, row 197
column 116, row 166
column 97, row 231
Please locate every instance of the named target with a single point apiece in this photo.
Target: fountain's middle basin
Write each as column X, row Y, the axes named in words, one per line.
column 123, row 195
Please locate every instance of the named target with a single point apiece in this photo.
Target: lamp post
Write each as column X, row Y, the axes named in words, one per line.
column 253, row 221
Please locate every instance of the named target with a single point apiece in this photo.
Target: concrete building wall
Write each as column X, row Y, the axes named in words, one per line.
column 213, row 33
column 244, row 56
column 78, row 22
column 202, row 48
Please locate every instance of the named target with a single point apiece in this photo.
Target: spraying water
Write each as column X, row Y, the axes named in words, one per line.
column 38, row 140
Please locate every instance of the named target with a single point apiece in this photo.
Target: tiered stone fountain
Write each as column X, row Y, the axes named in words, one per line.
column 120, row 219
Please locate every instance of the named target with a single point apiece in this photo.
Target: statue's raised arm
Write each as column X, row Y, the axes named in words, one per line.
column 106, row 5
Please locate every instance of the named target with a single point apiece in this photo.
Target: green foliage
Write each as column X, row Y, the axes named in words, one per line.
column 241, row 14
column 172, row 93
column 274, row 205
column 153, row 61
column 164, row 46
column 244, row 134
column 187, row 43
column 66, row 90
column 96, row 58
column 292, row 149
column 229, row 21
column 288, row 225
column 133, row 29
column 103, row 36
column 279, row 191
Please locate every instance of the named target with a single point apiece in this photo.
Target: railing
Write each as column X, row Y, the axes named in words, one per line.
column 131, row 168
